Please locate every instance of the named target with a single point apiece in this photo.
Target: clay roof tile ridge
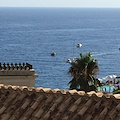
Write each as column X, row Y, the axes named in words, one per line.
column 71, row 92
column 117, row 96
column 81, row 93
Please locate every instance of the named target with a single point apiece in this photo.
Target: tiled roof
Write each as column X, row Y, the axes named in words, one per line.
column 29, row 103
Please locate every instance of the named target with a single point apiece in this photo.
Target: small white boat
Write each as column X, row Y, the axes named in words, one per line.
column 79, row 45
column 68, row 60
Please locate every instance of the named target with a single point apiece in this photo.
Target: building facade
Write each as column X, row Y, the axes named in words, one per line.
column 17, row 74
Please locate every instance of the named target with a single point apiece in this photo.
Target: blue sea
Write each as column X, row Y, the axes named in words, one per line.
column 31, row 34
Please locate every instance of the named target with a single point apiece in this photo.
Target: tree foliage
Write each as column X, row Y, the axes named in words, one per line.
column 84, row 72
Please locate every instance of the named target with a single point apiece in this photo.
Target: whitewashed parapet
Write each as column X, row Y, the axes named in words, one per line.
column 17, row 74
column 24, row 69
column 25, row 66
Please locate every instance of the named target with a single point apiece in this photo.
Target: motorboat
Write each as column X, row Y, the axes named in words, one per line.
column 68, row 60
column 79, row 45
column 53, row 54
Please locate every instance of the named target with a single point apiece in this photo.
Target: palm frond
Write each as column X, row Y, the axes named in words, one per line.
column 84, row 71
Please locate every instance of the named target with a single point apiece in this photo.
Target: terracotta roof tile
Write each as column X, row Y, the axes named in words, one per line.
column 118, row 107
column 75, row 105
column 2, row 109
column 85, row 107
column 29, row 103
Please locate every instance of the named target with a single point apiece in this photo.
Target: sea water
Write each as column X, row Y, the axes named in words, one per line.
column 31, row 34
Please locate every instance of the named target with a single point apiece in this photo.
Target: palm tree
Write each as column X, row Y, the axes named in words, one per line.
column 84, row 71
